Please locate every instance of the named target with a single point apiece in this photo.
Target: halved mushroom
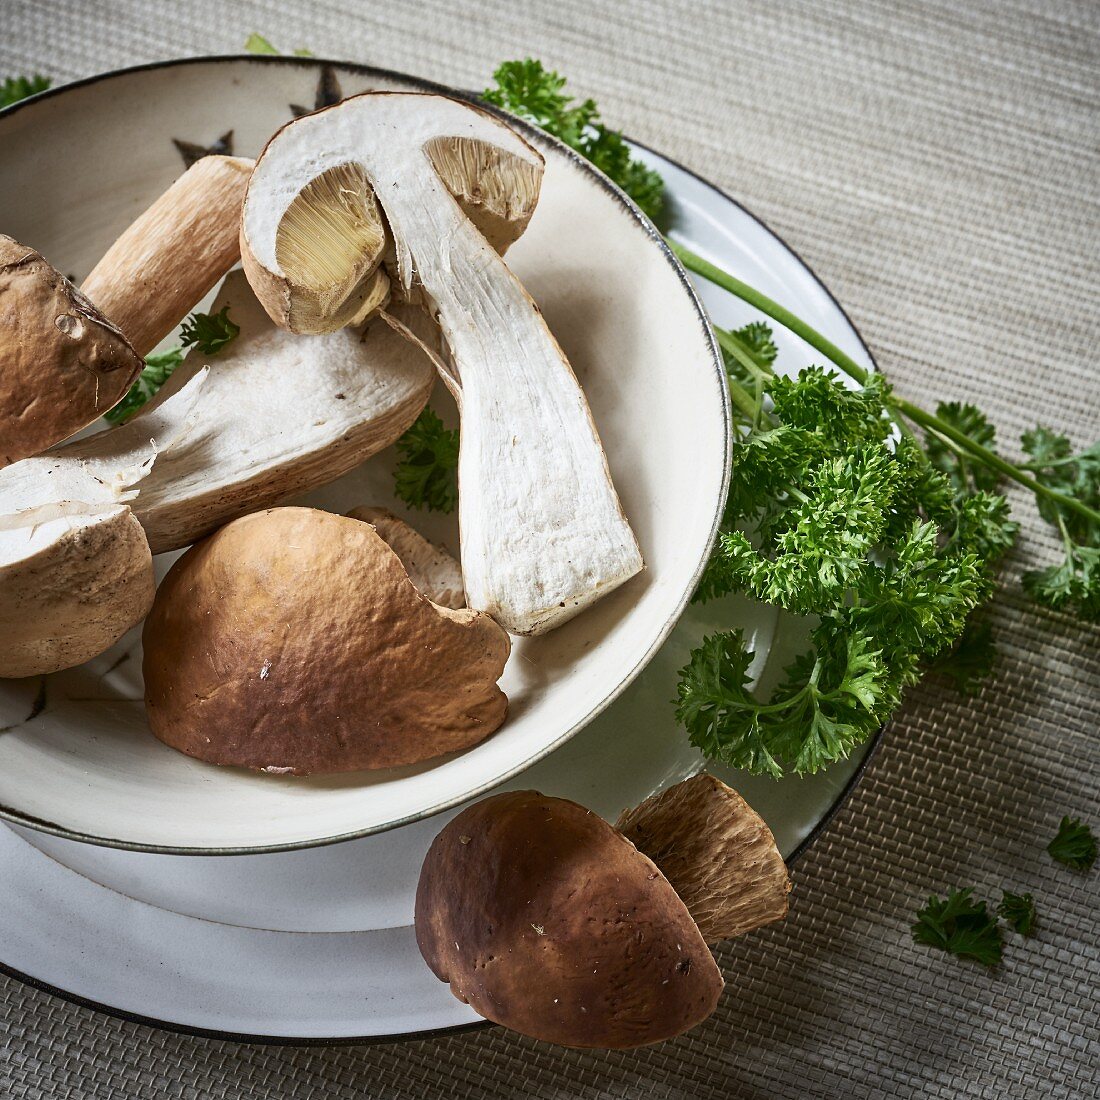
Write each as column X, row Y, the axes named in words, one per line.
column 547, row 920
column 63, row 364
column 431, row 568
column 293, row 641
column 75, row 568
column 277, row 415
column 542, row 530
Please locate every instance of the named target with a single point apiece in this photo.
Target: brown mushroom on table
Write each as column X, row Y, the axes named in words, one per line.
column 293, row 641
column 546, row 919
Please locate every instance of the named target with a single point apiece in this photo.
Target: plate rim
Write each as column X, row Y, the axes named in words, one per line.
column 874, row 744
column 640, row 221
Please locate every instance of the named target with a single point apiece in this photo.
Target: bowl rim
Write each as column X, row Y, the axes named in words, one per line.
column 640, row 221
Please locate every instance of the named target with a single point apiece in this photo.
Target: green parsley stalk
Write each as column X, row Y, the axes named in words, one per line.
column 850, row 367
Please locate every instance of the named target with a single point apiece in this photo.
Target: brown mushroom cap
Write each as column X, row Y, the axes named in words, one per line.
column 292, row 640
column 717, row 852
column 62, row 363
column 545, row 919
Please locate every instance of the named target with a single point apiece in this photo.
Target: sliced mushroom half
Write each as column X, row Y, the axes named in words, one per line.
column 542, row 530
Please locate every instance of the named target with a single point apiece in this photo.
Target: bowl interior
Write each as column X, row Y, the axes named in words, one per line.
column 75, row 752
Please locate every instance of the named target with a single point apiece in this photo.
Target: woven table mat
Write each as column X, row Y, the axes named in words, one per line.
column 938, row 165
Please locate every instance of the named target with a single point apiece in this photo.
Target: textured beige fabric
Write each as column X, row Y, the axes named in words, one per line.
column 938, row 165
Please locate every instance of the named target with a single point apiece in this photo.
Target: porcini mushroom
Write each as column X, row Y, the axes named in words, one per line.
column 293, row 641
column 717, row 852
column 542, row 530
column 431, row 568
column 63, row 364
column 277, row 415
column 174, row 253
column 67, row 356
column 546, row 919
column 76, row 571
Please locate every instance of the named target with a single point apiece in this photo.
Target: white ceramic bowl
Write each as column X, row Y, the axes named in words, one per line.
column 76, row 756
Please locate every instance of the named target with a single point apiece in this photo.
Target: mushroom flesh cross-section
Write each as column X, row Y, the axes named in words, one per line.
column 412, row 182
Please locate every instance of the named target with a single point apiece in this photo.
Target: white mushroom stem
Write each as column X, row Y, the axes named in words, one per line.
column 168, row 259
column 542, row 530
column 277, row 414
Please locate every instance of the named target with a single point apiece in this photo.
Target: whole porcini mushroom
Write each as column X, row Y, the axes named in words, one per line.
column 421, row 178
column 63, row 364
column 293, row 641
column 546, row 919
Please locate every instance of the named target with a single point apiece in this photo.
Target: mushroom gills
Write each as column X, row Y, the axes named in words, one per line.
column 543, row 533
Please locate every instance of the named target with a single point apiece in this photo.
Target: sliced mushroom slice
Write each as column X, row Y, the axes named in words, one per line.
column 542, row 530
column 174, row 253
column 63, row 364
column 716, row 851
column 277, row 415
column 293, row 641
column 549, row 921
column 431, row 569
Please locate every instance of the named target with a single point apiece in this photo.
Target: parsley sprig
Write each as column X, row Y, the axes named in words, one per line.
column 426, row 475
column 208, row 332
column 1074, row 845
column 1018, row 911
column 15, row 88
column 961, row 926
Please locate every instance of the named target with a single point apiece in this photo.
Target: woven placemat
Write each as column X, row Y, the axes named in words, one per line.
column 937, row 164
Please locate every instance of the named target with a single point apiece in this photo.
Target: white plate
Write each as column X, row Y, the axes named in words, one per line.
column 75, row 167
column 316, row 945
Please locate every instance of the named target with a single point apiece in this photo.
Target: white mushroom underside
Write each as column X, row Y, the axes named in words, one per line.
column 542, row 531
column 276, row 414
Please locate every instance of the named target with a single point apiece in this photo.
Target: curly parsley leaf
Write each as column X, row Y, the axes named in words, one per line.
column 1073, row 584
column 1018, row 911
column 257, row 44
column 426, row 475
column 961, row 926
column 1074, row 845
column 965, row 473
column 207, row 332
column 527, row 89
column 15, row 88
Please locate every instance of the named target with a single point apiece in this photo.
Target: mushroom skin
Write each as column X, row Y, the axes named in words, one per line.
column 63, row 364
column 74, row 581
column 545, row 919
column 293, row 641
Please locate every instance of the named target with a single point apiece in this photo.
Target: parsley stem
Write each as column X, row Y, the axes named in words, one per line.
column 990, row 458
column 770, row 307
column 850, row 367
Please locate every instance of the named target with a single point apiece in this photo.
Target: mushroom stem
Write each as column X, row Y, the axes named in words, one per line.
column 174, row 253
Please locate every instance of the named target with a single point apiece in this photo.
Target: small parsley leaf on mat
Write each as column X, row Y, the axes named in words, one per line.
column 209, row 332
column 1075, row 846
column 426, row 475
column 960, row 926
column 1018, row 911
column 15, row 88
